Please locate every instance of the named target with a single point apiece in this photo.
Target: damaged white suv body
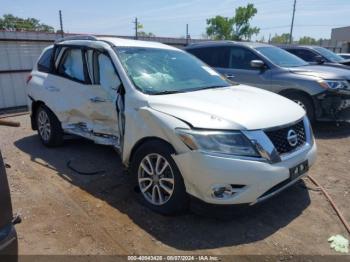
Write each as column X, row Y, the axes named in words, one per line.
column 181, row 129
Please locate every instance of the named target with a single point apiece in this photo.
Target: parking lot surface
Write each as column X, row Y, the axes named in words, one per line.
column 68, row 213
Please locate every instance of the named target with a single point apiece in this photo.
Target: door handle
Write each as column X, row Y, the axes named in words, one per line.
column 97, row 100
column 230, row 76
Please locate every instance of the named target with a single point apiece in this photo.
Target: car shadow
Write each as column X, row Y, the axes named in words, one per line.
column 204, row 227
column 331, row 130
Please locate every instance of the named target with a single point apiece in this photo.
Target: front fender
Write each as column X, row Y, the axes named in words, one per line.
column 144, row 123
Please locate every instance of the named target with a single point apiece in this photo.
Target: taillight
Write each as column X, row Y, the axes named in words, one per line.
column 29, row 78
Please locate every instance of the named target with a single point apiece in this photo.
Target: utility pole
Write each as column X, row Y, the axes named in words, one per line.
column 292, row 25
column 136, row 28
column 187, row 35
column 61, row 23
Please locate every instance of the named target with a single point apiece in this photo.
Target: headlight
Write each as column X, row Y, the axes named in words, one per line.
column 334, row 84
column 222, row 142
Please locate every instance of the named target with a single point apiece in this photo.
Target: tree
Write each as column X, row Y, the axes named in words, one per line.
column 220, row 28
column 143, row 33
column 149, row 34
column 280, row 39
column 235, row 28
column 306, row 40
column 10, row 22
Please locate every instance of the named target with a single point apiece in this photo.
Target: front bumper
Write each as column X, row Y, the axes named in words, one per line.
column 203, row 171
column 333, row 105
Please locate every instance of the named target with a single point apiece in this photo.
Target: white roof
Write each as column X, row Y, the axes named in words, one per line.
column 135, row 43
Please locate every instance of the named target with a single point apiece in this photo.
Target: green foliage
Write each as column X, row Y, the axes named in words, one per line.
column 13, row 23
column 306, row 40
column 280, row 39
column 143, row 33
column 149, row 34
column 242, row 28
column 220, row 28
column 235, row 28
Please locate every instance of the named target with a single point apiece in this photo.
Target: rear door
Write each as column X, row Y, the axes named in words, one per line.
column 305, row 54
column 5, row 199
column 240, row 70
column 67, row 89
column 82, row 92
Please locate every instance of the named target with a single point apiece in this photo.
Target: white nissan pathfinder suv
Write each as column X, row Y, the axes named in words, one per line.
column 181, row 128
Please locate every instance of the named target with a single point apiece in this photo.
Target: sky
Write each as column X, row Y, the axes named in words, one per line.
column 168, row 18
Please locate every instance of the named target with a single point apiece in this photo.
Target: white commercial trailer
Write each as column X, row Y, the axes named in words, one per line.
column 18, row 53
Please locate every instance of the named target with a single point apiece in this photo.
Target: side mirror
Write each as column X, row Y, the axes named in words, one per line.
column 319, row 59
column 257, row 64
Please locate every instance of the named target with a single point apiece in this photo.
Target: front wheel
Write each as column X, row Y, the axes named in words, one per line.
column 158, row 179
column 305, row 103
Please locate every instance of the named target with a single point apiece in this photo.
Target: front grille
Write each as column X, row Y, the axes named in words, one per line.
column 279, row 137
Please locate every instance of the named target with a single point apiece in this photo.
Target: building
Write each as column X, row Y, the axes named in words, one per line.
column 341, row 34
column 340, row 39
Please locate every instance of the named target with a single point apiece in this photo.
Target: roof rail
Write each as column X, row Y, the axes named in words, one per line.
column 77, row 37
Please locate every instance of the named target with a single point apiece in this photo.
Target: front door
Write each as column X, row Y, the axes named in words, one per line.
column 239, row 69
column 106, row 84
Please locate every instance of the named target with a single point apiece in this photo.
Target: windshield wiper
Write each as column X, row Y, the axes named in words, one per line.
column 166, row 92
column 206, row 87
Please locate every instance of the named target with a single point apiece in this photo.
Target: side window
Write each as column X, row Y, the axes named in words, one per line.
column 71, row 65
column 107, row 76
column 240, row 58
column 306, row 55
column 213, row 56
column 45, row 61
column 201, row 54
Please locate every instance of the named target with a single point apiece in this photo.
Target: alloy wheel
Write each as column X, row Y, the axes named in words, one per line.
column 156, row 179
column 44, row 125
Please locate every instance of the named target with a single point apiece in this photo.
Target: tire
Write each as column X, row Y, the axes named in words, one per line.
column 305, row 102
column 154, row 188
column 49, row 127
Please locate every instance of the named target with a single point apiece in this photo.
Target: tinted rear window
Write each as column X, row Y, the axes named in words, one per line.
column 45, row 61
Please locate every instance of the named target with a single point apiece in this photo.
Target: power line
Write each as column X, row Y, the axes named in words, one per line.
column 285, row 26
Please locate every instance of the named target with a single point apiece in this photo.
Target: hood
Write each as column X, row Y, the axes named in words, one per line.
column 238, row 107
column 345, row 62
column 324, row 72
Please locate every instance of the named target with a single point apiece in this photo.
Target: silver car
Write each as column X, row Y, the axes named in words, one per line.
column 324, row 92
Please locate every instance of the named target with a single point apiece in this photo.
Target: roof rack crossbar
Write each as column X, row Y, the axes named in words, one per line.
column 77, row 37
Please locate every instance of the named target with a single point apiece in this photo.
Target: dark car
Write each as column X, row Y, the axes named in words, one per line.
column 8, row 235
column 324, row 92
column 318, row 55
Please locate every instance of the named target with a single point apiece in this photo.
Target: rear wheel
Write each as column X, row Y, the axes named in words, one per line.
column 49, row 127
column 158, row 179
column 305, row 102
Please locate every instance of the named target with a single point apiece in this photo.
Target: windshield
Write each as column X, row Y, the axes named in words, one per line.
column 157, row 71
column 281, row 57
column 333, row 57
